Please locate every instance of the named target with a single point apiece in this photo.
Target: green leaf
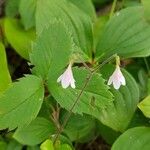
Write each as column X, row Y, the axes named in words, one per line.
column 79, row 128
column 36, row 132
column 134, row 139
column 3, row 145
column 120, row 112
column 107, row 133
column 144, row 106
column 47, row 145
column 86, row 6
column 64, row 147
column 11, row 8
column 27, row 12
column 52, row 49
column 20, row 103
column 5, row 78
column 21, row 42
column 78, row 23
column 146, row 4
column 125, row 34
column 95, row 97
column 14, row 145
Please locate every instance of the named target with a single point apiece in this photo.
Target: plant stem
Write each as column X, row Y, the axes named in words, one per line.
column 79, row 96
column 113, row 8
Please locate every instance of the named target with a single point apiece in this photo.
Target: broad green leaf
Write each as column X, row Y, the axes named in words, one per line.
column 21, row 102
column 125, row 34
column 94, row 98
column 80, row 128
column 86, row 6
column 36, row 132
column 78, row 23
column 5, row 79
column 27, row 12
column 12, row 7
column 108, row 134
column 120, row 112
column 19, row 39
column 133, row 139
column 98, row 27
column 52, row 49
column 47, row 145
column 146, row 4
column 144, row 106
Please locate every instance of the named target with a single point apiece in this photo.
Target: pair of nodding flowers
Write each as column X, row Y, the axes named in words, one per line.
column 117, row 78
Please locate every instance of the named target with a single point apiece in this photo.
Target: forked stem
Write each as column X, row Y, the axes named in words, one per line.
column 78, row 97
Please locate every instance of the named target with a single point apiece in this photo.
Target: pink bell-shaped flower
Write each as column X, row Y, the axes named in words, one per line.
column 67, row 78
column 117, row 78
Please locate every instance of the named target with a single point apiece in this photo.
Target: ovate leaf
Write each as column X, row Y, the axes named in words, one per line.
column 19, row 39
column 47, row 145
column 86, row 6
column 5, row 78
column 95, row 96
column 78, row 23
column 125, row 34
column 120, row 112
column 20, row 103
column 52, row 49
column 27, row 12
column 79, row 128
column 146, row 5
column 145, row 106
column 135, row 139
column 36, row 132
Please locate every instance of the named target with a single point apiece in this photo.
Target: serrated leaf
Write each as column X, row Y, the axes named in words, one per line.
column 36, row 132
column 125, row 34
column 21, row 102
column 86, row 6
column 52, row 49
column 79, row 128
column 120, row 112
column 5, row 79
column 94, row 98
column 21, row 42
column 144, row 106
column 78, row 23
column 135, row 139
column 27, row 12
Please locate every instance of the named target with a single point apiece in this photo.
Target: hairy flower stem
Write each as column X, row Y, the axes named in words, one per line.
column 78, row 98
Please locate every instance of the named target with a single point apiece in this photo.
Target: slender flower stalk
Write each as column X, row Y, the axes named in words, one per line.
column 117, row 78
column 67, row 78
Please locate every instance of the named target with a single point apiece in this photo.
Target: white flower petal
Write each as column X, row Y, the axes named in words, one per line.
column 117, row 78
column 67, row 78
column 73, row 84
column 59, row 79
column 116, row 84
